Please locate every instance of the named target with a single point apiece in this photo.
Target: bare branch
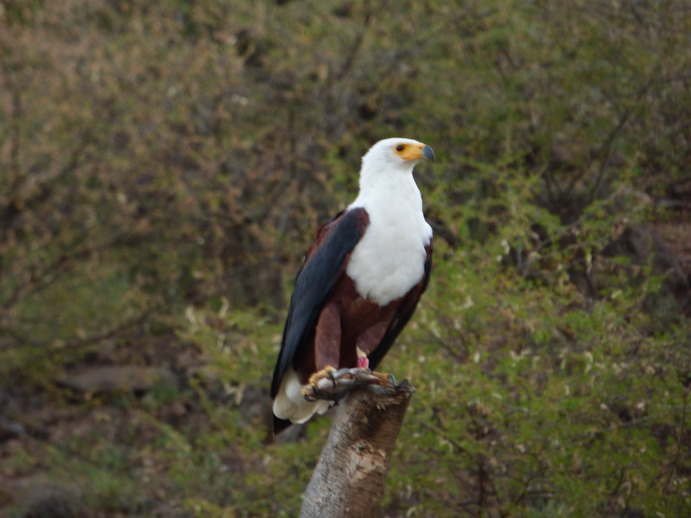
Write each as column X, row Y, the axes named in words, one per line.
column 349, row 478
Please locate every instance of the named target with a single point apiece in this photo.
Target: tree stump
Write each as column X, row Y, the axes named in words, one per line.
column 348, row 481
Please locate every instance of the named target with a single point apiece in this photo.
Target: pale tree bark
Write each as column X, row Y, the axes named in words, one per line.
column 348, row 481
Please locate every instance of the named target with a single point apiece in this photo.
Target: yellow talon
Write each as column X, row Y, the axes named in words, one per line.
column 326, row 372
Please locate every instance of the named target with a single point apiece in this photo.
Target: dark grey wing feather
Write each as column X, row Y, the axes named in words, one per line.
column 323, row 266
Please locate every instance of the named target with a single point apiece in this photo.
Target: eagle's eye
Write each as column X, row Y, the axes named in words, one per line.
column 400, row 147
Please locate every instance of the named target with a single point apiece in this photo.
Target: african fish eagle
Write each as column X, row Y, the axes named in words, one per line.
column 359, row 283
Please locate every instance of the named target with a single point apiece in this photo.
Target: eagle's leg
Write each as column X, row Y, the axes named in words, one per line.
column 362, row 365
column 367, row 342
column 327, row 351
column 331, row 384
column 362, row 359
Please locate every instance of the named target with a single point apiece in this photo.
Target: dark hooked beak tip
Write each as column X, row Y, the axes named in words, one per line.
column 428, row 153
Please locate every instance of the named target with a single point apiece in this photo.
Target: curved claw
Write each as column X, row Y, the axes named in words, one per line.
column 314, row 389
column 327, row 371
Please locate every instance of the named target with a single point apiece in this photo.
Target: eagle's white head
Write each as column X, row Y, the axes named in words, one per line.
column 387, row 171
column 395, row 154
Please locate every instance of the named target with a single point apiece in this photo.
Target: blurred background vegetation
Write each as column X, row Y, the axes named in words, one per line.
column 163, row 168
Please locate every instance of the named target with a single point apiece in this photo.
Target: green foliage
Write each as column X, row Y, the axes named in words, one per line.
column 164, row 165
column 554, row 408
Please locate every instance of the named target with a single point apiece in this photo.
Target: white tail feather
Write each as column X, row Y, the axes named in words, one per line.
column 291, row 404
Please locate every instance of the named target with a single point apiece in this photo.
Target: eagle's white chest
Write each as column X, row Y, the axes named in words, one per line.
column 390, row 258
